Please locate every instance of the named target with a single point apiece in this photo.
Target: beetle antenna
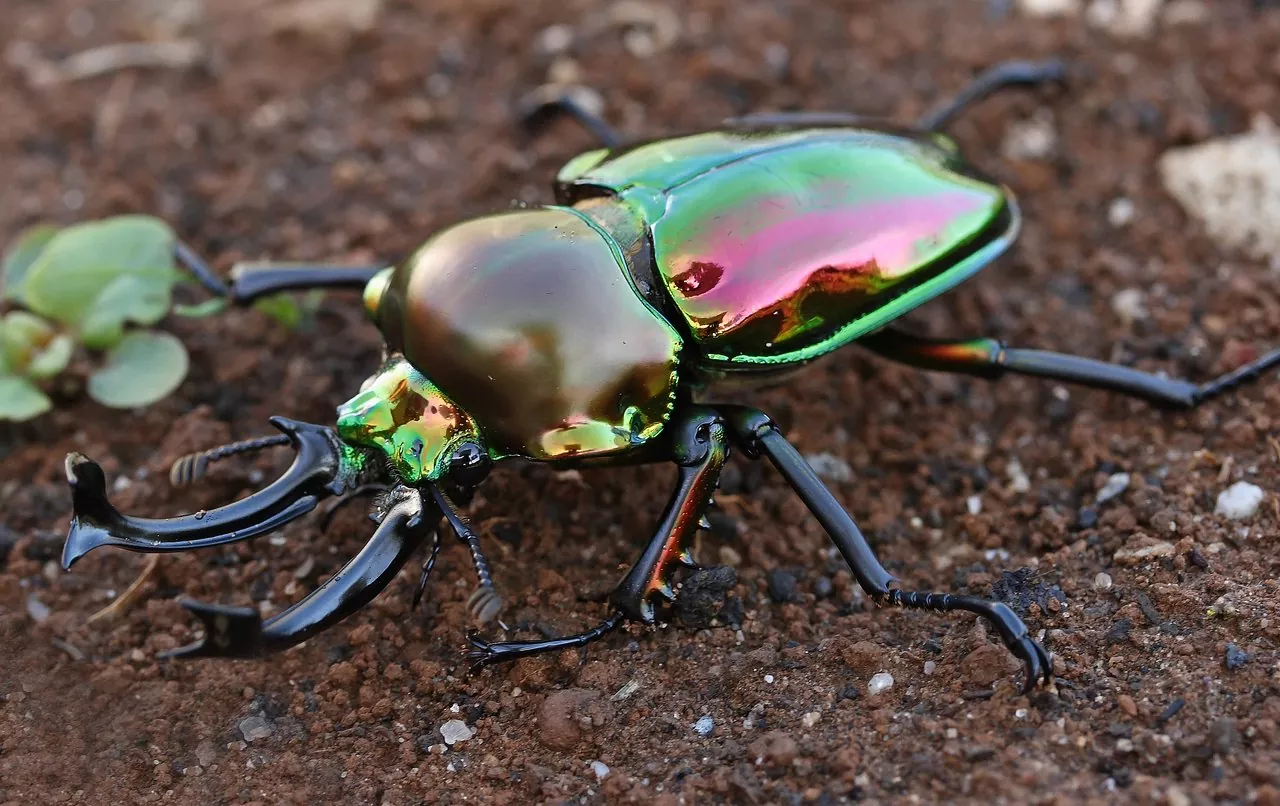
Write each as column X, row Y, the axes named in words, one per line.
column 191, row 468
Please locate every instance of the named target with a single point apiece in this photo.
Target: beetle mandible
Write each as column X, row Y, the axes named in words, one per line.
column 680, row 263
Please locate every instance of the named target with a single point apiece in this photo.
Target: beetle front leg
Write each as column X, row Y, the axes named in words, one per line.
column 251, row 281
column 758, row 435
column 700, row 447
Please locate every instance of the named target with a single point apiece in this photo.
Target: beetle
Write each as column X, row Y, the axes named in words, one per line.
column 592, row 333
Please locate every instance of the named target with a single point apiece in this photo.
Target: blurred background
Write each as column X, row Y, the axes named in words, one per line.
column 349, row 130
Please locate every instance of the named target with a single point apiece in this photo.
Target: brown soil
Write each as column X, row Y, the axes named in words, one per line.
column 303, row 146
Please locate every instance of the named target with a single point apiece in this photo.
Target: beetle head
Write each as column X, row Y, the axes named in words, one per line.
column 425, row 436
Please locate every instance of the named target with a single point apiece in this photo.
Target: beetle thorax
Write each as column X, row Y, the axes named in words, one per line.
column 530, row 321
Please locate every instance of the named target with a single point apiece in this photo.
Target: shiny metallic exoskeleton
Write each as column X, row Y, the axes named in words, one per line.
column 597, row 331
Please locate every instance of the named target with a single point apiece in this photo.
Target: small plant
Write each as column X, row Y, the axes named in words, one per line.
column 96, row 285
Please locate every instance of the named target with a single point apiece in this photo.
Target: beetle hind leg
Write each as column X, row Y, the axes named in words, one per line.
column 759, row 436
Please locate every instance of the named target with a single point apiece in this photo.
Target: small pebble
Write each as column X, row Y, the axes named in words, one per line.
column 974, row 504
column 454, row 731
column 38, row 610
column 1021, row 481
column 600, row 769
column 1235, row 657
column 1120, row 212
column 768, row 678
column 1102, row 581
column 782, row 586
column 255, row 727
column 930, row 666
column 810, row 719
column 1239, row 501
column 1049, row 8
column 1116, row 484
column 830, row 467
column 704, row 726
column 1129, row 305
column 879, row 682
column 1033, row 139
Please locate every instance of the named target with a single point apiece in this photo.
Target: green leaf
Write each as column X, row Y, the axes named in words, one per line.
column 20, row 256
column 282, row 308
column 202, row 309
column 20, row 399
column 141, row 298
column 52, row 359
column 22, row 336
column 144, row 367
column 80, row 262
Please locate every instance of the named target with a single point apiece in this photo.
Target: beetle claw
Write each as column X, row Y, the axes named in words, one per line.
column 1038, row 661
column 230, row 632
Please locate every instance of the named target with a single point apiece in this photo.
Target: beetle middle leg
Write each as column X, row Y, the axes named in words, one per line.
column 700, row 447
column 759, row 436
column 990, row 359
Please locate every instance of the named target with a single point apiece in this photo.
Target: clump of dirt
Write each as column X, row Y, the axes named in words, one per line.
column 289, row 142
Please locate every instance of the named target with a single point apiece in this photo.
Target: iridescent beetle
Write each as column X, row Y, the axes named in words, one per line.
column 580, row 334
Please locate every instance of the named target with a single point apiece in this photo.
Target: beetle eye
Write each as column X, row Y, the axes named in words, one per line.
column 469, row 464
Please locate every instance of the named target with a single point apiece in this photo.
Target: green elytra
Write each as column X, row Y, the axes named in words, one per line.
column 563, row 333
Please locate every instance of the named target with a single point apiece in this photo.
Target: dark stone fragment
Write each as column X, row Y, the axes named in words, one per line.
column 782, row 585
column 1235, row 657
column 705, row 595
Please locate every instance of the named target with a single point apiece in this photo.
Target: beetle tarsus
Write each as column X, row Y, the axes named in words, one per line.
column 426, row 568
column 1013, row 631
column 484, row 653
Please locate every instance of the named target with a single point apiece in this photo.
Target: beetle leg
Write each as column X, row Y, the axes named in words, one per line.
column 249, row 281
column 991, row 80
column 546, row 102
column 758, row 435
column 990, row 359
column 240, row 632
column 700, row 448
column 485, row 603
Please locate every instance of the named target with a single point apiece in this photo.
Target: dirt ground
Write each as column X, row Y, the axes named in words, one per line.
column 306, row 139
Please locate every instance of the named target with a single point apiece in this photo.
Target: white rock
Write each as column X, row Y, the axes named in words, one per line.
column 879, row 682
column 830, row 467
column 1120, row 212
column 1021, row 481
column 1049, row 8
column 1239, row 501
column 1232, row 186
column 1129, row 305
column 810, row 719
column 930, row 666
column 1102, row 581
column 600, row 769
column 974, row 504
column 38, row 610
column 1033, row 139
column 455, row 730
column 1116, row 484
column 704, row 726
column 1124, row 18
